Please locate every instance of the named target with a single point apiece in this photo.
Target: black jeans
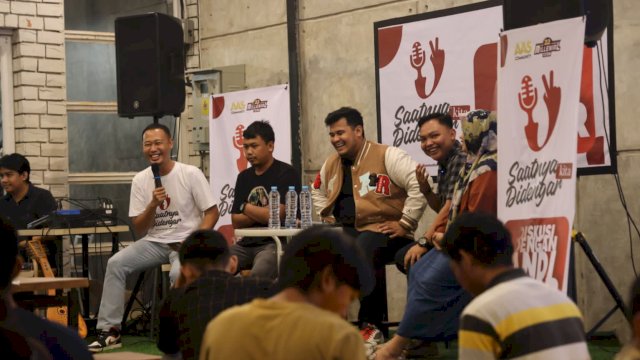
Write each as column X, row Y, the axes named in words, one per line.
column 399, row 258
column 381, row 250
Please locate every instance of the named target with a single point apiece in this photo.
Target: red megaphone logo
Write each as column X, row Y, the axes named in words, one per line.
column 238, row 140
column 418, row 59
column 528, row 99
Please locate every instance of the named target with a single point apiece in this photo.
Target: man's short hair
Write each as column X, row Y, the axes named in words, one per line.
column 353, row 116
column 260, row 128
column 16, row 162
column 313, row 249
column 443, row 119
column 481, row 235
column 204, row 247
column 9, row 252
column 154, row 126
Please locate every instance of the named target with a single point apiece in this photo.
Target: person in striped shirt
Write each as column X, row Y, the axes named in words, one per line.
column 512, row 316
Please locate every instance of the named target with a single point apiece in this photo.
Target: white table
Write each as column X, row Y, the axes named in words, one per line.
column 275, row 234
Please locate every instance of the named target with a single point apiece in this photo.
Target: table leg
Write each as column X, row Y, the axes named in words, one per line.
column 85, row 273
column 114, row 243
column 278, row 251
column 72, row 309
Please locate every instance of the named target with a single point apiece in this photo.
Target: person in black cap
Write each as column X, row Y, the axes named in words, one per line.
column 322, row 272
column 206, row 287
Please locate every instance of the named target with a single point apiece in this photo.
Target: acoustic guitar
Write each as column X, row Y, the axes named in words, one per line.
column 58, row 314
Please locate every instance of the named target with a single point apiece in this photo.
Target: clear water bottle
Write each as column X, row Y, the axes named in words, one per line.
column 274, row 208
column 292, row 208
column 305, row 207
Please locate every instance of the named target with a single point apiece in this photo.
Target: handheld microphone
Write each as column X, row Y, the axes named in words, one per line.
column 155, row 168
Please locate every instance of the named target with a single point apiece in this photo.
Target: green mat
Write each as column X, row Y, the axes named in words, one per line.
column 600, row 349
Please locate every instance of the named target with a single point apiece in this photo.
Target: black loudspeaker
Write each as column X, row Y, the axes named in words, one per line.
column 521, row 13
column 150, row 65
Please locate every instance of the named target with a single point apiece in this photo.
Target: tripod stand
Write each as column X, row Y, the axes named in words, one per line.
column 580, row 239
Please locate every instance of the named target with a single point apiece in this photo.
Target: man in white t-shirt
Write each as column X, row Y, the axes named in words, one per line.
column 164, row 215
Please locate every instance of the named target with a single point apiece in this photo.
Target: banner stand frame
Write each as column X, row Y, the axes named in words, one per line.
column 580, row 239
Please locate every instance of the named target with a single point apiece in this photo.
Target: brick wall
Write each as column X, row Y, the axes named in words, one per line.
column 39, row 88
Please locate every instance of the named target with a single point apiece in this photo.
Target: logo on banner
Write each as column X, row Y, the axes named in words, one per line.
column 540, row 248
column 257, row 105
column 238, row 140
column 418, row 59
column 536, row 181
column 237, row 107
column 547, row 47
column 227, row 193
column 528, row 99
column 523, row 50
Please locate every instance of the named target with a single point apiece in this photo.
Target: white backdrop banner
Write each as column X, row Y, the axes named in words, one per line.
column 538, row 110
column 443, row 64
column 446, row 61
column 229, row 115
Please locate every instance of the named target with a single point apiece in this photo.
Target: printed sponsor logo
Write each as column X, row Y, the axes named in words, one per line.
column 523, row 50
column 237, row 107
column 547, row 47
column 257, row 105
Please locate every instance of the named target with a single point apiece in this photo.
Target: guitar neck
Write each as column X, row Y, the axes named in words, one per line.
column 38, row 252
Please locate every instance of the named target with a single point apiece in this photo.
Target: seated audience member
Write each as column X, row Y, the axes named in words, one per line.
column 23, row 202
column 17, row 347
column 322, row 271
column 434, row 297
column 251, row 202
column 631, row 351
column 205, row 287
column 512, row 316
column 371, row 190
column 59, row 341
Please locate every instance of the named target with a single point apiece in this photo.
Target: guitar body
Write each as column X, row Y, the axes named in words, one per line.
column 56, row 314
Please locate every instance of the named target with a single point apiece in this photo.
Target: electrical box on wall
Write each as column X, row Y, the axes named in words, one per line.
column 205, row 83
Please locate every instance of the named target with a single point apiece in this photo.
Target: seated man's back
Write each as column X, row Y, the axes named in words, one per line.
column 206, row 287
column 265, row 329
column 204, row 299
column 321, row 272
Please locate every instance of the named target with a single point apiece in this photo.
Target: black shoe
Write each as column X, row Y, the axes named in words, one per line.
column 106, row 340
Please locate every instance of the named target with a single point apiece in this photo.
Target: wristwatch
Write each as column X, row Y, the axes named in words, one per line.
column 242, row 207
column 422, row 241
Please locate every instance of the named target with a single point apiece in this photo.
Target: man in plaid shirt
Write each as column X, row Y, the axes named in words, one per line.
column 205, row 288
column 438, row 141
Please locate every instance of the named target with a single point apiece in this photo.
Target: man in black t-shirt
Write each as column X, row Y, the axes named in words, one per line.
column 251, row 201
column 22, row 202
